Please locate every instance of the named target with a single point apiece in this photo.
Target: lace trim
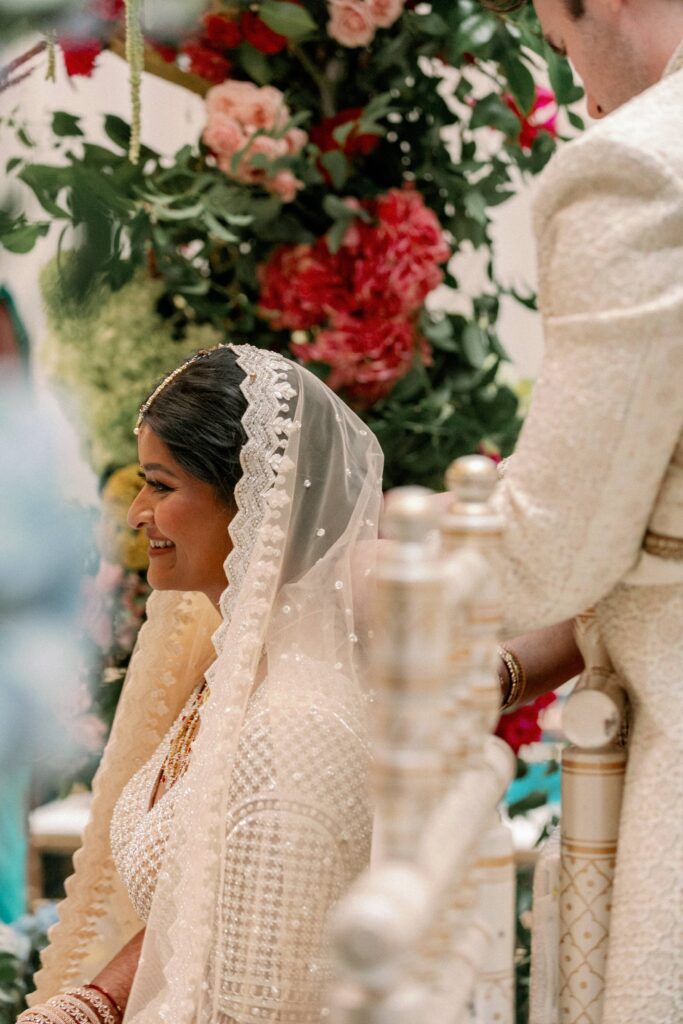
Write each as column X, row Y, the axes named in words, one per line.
column 95, row 880
column 268, row 392
column 260, row 498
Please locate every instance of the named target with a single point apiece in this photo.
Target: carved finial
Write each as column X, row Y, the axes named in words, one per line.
column 472, row 478
column 409, row 514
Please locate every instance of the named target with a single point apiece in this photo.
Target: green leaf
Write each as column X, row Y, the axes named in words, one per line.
column 521, row 83
column 11, row 164
column 562, row 79
column 46, row 183
column 64, row 125
column 25, row 138
column 430, row 24
column 22, row 239
column 337, row 209
column 217, row 229
column 335, row 236
column 492, row 112
column 255, row 64
column 287, row 19
column 117, row 130
column 337, row 166
column 475, row 345
column 341, row 133
column 475, row 204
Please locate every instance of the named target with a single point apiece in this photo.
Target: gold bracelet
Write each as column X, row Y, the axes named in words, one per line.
column 517, row 677
column 73, row 1009
column 103, row 1007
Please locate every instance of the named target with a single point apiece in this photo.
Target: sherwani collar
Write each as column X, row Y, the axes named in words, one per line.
column 676, row 62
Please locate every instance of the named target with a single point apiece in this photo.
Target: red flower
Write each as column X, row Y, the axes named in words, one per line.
column 107, row 10
column 301, row 285
column 356, row 142
column 363, row 299
column 80, row 55
column 522, row 726
column 221, row 31
column 398, row 263
column 531, row 124
column 205, row 62
column 366, row 355
column 257, row 33
column 165, row 50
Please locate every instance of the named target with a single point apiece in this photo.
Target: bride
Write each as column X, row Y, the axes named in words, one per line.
column 230, row 809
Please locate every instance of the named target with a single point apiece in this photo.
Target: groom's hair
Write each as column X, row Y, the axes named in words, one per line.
column 576, row 8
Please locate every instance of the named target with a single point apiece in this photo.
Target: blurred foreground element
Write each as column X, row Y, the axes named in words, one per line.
column 41, row 557
column 19, row 16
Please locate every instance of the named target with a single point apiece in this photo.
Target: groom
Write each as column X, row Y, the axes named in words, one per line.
column 593, row 496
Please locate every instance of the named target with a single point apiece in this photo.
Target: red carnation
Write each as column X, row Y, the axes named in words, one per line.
column 205, row 62
column 221, row 31
column 80, row 55
column 366, row 355
column 520, row 727
column 361, row 302
column 531, row 124
column 356, row 142
column 257, row 33
column 301, row 285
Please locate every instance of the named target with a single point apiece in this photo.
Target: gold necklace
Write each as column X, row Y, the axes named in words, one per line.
column 177, row 759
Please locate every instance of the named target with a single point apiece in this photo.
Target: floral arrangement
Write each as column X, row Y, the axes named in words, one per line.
column 350, row 149
column 106, row 352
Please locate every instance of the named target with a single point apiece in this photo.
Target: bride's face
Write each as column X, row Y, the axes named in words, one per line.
column 185, row 522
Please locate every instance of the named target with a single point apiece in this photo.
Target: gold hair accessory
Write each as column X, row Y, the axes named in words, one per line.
column 144, row 408
column 517, row 675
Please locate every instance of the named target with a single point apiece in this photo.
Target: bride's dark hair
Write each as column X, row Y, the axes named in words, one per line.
column 198, row 416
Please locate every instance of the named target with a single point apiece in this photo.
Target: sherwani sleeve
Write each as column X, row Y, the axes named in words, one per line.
column 607, row 409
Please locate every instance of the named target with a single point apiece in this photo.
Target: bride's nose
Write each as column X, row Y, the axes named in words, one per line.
column 139, row 513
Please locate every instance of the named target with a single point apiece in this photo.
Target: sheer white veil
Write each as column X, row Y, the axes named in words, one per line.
column 303, row 540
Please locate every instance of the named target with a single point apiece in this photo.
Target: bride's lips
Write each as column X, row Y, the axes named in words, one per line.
column 155, row 552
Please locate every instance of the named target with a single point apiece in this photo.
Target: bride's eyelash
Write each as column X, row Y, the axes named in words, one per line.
column 155, row 484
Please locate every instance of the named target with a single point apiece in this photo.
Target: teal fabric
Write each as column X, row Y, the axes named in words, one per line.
column 13, row 845
column 19, row 329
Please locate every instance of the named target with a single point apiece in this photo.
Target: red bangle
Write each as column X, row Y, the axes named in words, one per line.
column 110, row 999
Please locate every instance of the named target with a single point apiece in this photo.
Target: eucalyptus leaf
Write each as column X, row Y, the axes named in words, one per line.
column 255, row 64
column 290, row 20
column 337, row 166
column 475, row 345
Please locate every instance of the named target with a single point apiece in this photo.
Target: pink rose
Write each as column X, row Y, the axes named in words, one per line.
column 251, row 105
column 267, row 109
column 285, row 185
column 385, row 12
column 224, row 135
column 296, row 139
column 351, row 22
column 266, row 145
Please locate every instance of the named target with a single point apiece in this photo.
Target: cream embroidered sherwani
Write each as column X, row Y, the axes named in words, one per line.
column 599, row 464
